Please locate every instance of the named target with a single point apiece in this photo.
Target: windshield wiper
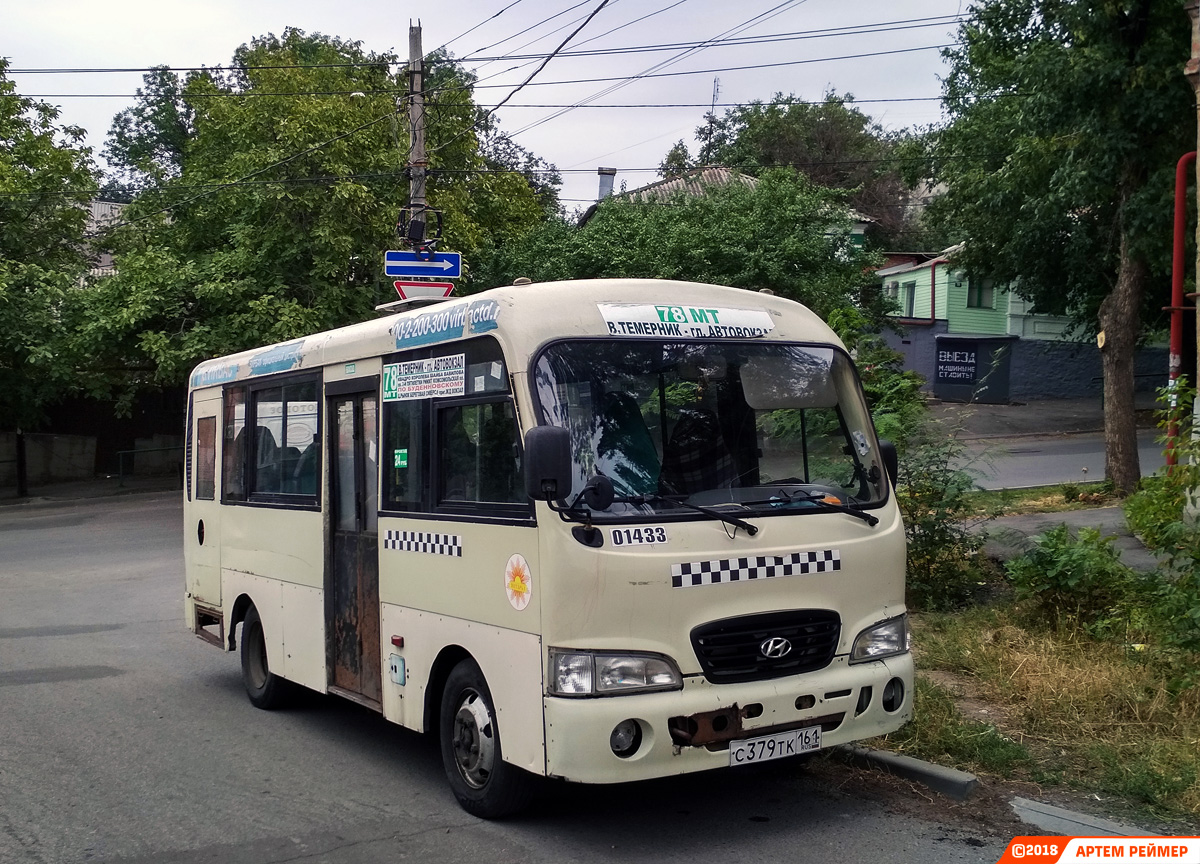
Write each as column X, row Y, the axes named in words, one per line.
column 707, row 511
column 820, row 502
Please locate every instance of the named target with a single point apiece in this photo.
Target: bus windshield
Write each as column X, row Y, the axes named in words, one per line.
column 769, row 427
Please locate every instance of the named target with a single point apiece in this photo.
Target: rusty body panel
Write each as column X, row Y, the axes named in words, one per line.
column 355, row 606
column 208, row 617
column 352, row 577
column 719, row 727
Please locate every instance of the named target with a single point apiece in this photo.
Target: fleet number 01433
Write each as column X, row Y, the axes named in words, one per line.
column 638, row 536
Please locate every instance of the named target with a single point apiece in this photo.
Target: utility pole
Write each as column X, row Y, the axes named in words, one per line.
column 705, row 155
column 417, row 162
column 421, row 259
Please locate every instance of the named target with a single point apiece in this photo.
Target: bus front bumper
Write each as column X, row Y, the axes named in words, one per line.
column 578, row 730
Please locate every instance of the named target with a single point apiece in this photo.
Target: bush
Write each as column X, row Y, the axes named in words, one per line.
column 943, row 548
column 894, row 395
column 1159, row 502
column 1080, row 580
column 1159, row 513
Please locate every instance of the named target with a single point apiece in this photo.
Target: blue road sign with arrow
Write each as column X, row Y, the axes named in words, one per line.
column 405, row 262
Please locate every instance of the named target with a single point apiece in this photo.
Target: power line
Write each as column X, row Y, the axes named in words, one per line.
column 631, row 23
column 532, row 41
column 519, row 87
column 631, row 78
column 574, row 33
column 736, row 42
column 401, row 92
column 626, row 81
column 96, row 70
column 247, row 181
column 533, row 27
column 476, row 27
column 848, row 30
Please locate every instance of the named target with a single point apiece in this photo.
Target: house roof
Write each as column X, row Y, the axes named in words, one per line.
column 694, row 181
column 915, row 260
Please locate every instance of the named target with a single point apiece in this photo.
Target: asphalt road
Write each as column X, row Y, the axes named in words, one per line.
column 1043, row 460
column 125, row 738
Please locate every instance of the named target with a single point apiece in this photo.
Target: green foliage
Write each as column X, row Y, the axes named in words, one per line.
column 784, row 234
column 46, row 181
column 1161, row 777
column 1162, row 513
column 208, row 266
column 1067, row 119
column 893, row 394
column 1157, row 508
column 939, row 733
column 677, row 161
column 831, row 142
column 943, row 550
column 1070, row 491
column 1069, row 581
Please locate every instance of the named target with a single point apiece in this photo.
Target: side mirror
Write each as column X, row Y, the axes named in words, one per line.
column 599, row 494
column 887, row 450
column 548, row 463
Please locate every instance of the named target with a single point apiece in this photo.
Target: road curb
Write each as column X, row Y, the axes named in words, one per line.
column 1068, row 822
column 950, row 782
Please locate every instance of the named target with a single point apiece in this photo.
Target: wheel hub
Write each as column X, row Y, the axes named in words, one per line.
column 474, row 741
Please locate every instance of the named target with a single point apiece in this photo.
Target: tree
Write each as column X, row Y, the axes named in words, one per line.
column 831, row 142
column 46, row 182
column 147, row 143
column 269, row 192
column 1066, row 120
column 784, row 234
column 677, row 160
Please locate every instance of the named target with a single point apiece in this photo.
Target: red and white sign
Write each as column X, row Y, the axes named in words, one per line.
column 423, row 290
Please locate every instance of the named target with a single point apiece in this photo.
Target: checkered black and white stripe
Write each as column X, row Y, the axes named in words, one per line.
column 419, row 541
column 744, row 569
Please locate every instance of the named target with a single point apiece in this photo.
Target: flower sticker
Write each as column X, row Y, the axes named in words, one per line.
column 518, row 582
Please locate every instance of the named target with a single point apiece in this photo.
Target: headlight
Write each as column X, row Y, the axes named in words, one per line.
column 593, row 673
column 882, row 640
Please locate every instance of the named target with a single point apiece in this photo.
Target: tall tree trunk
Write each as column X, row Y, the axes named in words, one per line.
column 1120, row 322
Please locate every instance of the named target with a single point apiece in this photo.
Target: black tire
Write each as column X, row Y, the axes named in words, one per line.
column 484, row 784
column 265, row 689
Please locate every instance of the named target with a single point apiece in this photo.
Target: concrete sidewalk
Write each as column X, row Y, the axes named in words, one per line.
column 1012, row 536
column 103, row 486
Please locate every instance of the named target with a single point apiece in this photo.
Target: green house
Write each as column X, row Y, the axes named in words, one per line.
column 974, row 340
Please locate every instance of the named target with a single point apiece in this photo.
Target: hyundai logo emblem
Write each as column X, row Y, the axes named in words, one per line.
column 775, row 647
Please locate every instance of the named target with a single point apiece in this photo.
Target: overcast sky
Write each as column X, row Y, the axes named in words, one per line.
column 74, row 34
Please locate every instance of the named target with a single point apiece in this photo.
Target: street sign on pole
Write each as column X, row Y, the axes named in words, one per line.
column 423, row 290
column 406, row 262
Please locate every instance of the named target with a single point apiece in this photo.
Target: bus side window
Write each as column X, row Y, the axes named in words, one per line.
column 478, row 457
column 403, row 454
column 233, row 468
column 206, row 458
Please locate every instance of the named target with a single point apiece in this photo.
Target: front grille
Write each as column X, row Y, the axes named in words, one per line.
column 729, row 650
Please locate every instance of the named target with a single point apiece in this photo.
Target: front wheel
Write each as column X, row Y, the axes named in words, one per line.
column 265, row 689
column 484, row 784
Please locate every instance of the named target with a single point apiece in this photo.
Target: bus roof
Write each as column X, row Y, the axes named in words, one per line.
column 523, row 317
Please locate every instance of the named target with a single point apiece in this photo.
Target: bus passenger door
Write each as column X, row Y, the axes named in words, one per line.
column 352, row 575
column 202, row 530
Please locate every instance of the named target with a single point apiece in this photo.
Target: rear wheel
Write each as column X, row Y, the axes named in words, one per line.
column 484, row 784
column 265, row 689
